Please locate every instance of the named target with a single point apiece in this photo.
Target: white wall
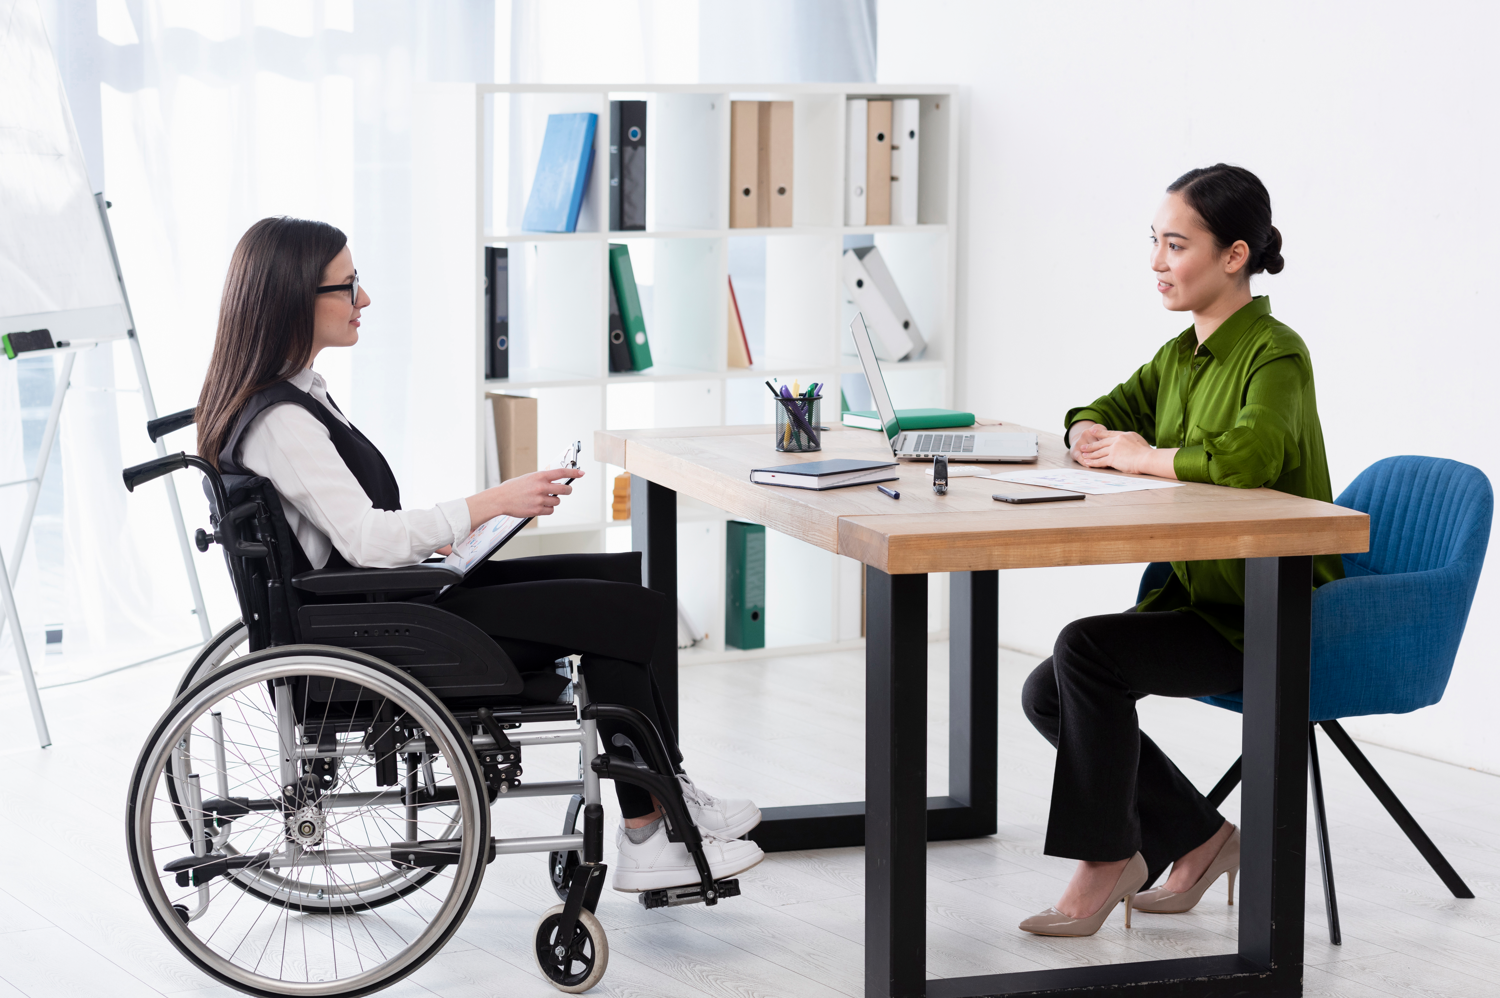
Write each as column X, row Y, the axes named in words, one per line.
column 1375, row 129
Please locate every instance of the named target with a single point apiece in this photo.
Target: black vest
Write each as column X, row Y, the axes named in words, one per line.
column 363, row 457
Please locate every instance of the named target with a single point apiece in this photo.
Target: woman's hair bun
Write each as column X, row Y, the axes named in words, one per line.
column 1234, row 205
column 1270, row 257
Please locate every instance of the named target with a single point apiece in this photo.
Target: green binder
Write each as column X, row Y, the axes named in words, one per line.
column 910, row 419
column 745, row 585
column 630, row 307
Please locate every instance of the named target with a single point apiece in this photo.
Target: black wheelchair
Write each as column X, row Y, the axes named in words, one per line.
column 311, row 816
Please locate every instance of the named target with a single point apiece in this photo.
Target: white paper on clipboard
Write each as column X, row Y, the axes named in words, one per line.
column 482, row 542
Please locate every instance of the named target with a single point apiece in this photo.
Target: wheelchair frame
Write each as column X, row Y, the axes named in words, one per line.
column 478, row 746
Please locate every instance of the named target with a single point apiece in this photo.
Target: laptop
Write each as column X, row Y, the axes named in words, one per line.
column 961, row 445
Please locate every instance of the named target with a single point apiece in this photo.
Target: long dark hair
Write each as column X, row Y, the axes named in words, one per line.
column 1235, row 205
column 265, row 328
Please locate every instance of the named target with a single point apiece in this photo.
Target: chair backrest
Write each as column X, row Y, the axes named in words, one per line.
column 1384, row 638
column 1425, row 513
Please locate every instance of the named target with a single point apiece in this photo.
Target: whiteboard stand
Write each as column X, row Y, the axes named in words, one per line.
column 161, row 447
column 34, row 488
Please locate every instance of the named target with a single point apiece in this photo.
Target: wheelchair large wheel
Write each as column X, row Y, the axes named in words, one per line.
column 230, row 643
column 292, row 765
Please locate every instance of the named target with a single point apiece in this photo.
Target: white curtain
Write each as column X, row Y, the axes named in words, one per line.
column 199, row 117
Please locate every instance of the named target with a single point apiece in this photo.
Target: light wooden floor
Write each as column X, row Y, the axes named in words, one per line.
column 782, row 731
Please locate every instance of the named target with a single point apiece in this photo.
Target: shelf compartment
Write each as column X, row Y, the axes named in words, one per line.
column 557, row 307
column 802, row 297
column 687, row 155
column 513, row 127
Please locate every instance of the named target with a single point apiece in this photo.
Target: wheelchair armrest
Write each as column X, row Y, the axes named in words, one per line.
column 348, row 581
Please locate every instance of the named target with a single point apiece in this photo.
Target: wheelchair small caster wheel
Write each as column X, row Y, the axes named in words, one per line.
column 182, row 912
column 577, row 971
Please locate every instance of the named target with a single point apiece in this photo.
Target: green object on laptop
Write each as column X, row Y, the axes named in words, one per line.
column 911, row 419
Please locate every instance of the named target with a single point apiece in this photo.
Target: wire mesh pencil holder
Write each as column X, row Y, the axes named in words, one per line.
column 798, row 429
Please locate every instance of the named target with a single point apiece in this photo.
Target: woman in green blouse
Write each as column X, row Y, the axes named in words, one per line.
column 1229, row 401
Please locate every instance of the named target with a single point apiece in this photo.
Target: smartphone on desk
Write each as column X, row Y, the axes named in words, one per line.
column 1048, row 497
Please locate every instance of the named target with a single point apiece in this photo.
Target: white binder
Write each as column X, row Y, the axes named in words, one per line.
column 869, row 283
column 856, row 113
column 905, row 136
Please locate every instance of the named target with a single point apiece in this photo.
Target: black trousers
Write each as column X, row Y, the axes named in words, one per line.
column 592, row 605
column 1114, row 791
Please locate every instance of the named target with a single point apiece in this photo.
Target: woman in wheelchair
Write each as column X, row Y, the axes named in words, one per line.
column 313, row 817
column 291, row 292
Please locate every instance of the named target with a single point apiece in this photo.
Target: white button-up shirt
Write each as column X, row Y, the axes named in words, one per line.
column 325, row 505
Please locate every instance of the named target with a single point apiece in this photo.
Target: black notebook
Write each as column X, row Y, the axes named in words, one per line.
column 819, row 475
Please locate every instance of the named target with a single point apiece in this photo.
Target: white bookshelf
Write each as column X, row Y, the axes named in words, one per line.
column 475, row 149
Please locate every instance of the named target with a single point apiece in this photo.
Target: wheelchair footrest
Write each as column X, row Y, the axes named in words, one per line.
column 671, row 897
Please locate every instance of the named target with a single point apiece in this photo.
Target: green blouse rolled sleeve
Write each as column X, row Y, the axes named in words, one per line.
column 1190, row 464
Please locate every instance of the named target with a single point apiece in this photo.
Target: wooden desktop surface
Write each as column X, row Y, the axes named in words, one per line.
column 966, row 530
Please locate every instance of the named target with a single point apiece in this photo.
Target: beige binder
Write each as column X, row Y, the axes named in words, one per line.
column 515, row 433
column 775, row 173
column 744, row 164
column 878, row 164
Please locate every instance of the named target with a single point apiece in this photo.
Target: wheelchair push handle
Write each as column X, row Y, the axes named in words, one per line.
column 171, row 423
column 140, row 474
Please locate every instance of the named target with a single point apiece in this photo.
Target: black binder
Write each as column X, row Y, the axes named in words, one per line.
column 619, row 350
column 497, row 312
column 627, row 165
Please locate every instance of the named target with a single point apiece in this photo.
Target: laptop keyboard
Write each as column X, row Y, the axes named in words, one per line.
column 943, row 443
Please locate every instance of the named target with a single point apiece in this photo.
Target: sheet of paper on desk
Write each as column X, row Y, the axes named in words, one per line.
column 1088, row 482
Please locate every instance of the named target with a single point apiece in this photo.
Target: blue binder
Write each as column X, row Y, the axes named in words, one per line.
column 562, row 173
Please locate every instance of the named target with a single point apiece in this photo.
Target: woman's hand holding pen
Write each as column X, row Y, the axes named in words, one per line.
column 1094, row 446
column 525, row 495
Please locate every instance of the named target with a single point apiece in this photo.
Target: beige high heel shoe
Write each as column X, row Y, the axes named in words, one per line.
column 1161, row 901
column 1054, row 923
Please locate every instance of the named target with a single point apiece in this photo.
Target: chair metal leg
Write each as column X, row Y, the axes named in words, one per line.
column 1227, row 782
column 1398, row 811
column 1330, row 899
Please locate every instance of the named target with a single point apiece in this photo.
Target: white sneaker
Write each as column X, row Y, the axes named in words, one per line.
column 659, row 863
column 725, row 819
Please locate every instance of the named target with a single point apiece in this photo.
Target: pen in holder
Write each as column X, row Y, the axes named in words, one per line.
column 797, row 424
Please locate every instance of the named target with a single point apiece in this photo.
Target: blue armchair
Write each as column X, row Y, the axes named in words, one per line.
column 1385, row 636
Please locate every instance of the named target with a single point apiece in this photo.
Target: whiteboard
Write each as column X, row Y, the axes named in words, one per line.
column 56, row 271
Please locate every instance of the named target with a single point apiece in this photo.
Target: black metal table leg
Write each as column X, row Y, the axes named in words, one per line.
column 653, row 532
column 973, row 709
column 895, row 784
column 969, row 809
column 1273, row 808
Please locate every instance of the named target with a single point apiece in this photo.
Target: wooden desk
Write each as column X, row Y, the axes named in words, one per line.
column 968, row 534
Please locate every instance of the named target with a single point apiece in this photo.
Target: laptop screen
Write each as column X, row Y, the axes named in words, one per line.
column 882, row 398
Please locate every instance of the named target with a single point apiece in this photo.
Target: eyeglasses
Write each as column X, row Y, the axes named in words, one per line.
column 352, row 288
